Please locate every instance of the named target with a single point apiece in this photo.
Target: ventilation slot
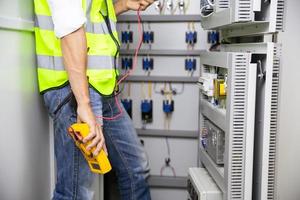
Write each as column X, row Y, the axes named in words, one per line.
column 244, row 10
column 280, row 15
column 222, row 4
column 273, row 126
column 238, row 125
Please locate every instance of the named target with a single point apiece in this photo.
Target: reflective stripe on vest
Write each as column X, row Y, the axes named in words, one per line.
column 49, row 77
column 56, row 62
column 45, row 22
column 98, row 44
column 101, row 47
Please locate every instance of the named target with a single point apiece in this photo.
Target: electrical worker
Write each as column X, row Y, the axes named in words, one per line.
column 77, row 48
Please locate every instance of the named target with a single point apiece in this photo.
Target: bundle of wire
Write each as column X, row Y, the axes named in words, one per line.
column 129, row 72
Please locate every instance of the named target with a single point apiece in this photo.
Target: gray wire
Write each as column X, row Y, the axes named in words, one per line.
column 168, row 147
column 155, row 90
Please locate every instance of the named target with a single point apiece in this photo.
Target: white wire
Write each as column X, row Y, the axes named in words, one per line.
column 187, row 5
column 210, row 3
column 201, row 10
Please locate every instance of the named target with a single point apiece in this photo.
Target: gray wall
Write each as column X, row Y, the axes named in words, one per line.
column 24, row 143
column 288, row 160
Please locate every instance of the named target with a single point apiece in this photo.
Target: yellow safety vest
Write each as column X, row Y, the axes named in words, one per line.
column 102, row 47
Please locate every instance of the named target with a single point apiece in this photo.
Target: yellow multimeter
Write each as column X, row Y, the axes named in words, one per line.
column 98, row 164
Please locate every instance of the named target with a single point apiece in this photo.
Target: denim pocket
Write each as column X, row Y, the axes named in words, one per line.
column 52, row 100
column 56, row 99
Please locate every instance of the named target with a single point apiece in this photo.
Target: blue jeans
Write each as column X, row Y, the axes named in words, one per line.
column 126, row 154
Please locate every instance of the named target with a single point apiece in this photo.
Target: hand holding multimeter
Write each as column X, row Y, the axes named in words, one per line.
column 78, row 131
column 99, row 163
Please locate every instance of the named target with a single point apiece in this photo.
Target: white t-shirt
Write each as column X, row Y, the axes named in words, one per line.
column 67, row 15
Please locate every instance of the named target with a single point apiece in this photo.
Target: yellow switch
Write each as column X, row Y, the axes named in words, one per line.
column 222, row 89
column 219, row 89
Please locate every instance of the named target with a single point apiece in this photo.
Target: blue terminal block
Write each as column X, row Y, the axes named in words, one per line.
column 168, row 106
column 204, row 142
column 147, row 111
column 127, row 104
column 148, row 37
column 126, row 37
column 214, row 37
column 148, row 64
column 191, row 37
column 209, row 37
column 190, row 64
column 126, row 63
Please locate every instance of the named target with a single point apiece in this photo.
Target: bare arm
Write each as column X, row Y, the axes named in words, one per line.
column 74, row 50
column 122, row 6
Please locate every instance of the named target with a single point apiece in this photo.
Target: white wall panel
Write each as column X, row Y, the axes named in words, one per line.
column 24, row 144
column 22, row 9
column 182, row 155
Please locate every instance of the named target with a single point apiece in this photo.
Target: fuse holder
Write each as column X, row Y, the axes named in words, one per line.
column 146, row 108
column 191, row 37
column 168, row 106
column 126, row 63
column 190, row 64
column 148, row 37
column 126, row 37
column 148, row 64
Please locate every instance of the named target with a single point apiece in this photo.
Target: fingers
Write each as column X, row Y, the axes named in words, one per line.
column 105, row 149
column 150, row 1
column 145, row 3
column 100, row 145
column 92, row 134
column 98, row 141
column 94, row 137
column 78, row 119
column 94, row 142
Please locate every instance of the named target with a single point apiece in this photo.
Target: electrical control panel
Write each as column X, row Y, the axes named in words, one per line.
column 162, row 84
column 201, row 186
column 215, row 144
column 264, row 16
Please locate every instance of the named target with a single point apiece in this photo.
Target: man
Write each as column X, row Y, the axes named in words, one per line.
column 76, row 45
